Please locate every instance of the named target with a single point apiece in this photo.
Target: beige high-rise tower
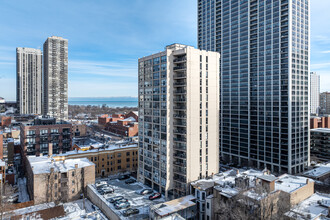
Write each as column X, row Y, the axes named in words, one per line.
column 56, row 77
column 29, row 80
column 178, row 118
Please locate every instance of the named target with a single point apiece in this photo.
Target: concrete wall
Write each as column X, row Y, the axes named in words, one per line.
column 100, row 202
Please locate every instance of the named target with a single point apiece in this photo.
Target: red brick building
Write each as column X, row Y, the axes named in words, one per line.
column 134, row 114
column 127, row 127
column 104, row 119
column 319, row 122
column 1, row 145
column 46, row 136
column 5, row 121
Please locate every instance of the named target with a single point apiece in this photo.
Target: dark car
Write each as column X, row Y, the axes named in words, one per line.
column 121, row 201
column 155, row 196
column 129, row 181
column 122, row 205
column 114, row 199
column 145, row 191
column 130, row 211
column 123, row 177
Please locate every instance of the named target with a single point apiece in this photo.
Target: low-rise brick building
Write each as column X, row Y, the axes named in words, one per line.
column 104, row 119
column 108, row 160
column 320, row 144
column 45, row 136
column 58, row 181
column 5, row 121
column 127, row 127
column 320, row 122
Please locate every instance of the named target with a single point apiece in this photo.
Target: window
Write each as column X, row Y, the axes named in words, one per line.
column 119, row 167
column 73, row 173
column 127, row 166
column 72, row 182
column 55, row 176
column 72, row 190
column 95, row 158
column 119, row 155
column 127, row 159
column 119, row 161
column 55, row 185
column 127, row 153
column 207, row 205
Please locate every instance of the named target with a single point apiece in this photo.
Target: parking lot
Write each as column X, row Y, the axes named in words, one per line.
column 130, row 192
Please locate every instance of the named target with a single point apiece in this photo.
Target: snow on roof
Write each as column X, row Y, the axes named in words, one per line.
column 106, row 148
column 44, row 164
column 131, row 119
column 269, row 178
column 2, row 163
column 136, row 112
column 321, row 170
column 175, row 205
column 314, row 207
column 289, row 183
column 323, row 130
column 227, row 178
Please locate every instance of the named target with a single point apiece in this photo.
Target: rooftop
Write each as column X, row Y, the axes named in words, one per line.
column 175, row 205
column 44, row 164
column 129, row 192
column 322, row 130
column 289, row 183
column 320, row 170
column 314, row 207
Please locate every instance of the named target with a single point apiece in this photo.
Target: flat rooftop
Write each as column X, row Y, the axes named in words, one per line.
column 323, row 130
column 44, row 164
column 175, row 205
column 315, row 207
column 129, row 192
column 289, row 183
column 320, row 170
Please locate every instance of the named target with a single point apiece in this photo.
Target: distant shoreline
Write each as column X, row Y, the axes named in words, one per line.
column 104, row 102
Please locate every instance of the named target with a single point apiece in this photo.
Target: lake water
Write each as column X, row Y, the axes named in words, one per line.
column 108, row 103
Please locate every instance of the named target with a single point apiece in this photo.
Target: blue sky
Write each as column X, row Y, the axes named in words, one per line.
column 106, row 38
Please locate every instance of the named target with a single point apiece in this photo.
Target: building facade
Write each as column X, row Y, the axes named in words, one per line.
column 325, row 103
column 46, row 137
column 58, row 181
column 127, row 127
column 108, row 160
column 29, row 80
column 320, row 122
column 315, row 93
column 178, row 118
column 56, row 78
column 320, row 143
column 264, row 82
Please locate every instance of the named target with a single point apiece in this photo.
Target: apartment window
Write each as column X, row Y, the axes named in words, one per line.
column 95, row 159
column 72, row 190
column 119, row 167
column 127, row 159
column 127, row 166
column 108, row 170
column 119, row 155
column 55, row 194
column 72, row 182
column 55, row 185
column 118, row 161
column 207, row 205
column 73, row 173
column 127, row 153
column 108, row 163
column 55, row 176
column 92, row 159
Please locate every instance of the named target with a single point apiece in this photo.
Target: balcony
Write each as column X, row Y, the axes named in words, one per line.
column 179, row 84
column 180, row 68
column 180, row 170
column 180, row 76
column 180, row 163
column 179, row 60
column 180, row 146
column 182, row 139
column 179, row 115
column 180, row 123
column 179, row 107
column 180, row 131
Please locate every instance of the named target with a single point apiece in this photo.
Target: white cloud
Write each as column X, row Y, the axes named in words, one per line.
column 121, row 69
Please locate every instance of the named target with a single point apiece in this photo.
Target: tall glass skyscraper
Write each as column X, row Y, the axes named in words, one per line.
column 264, row 79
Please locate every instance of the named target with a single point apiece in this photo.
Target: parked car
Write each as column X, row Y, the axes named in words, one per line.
column 123, row 177
column 121, row 201
column 114, row 199
column 101, row 183
column 122, row 205
column 130, row 211
column 155, row 196
column 129, row 181
column 107, row 190
column 145, row 191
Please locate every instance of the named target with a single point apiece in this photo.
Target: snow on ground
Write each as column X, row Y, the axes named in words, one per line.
column 23, row 195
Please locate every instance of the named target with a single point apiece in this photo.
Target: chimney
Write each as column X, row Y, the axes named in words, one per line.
column 76, row 166
column 307, row 181
column 50, row 149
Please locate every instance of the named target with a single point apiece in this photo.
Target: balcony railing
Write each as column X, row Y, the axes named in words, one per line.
column 179, row 68
column 182, row 59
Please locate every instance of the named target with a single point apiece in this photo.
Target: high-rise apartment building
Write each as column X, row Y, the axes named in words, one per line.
column 29, row 80
column 56, row 78
column 264, row 81
column 325, row 103
column 178, row 118
column 315, row 93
